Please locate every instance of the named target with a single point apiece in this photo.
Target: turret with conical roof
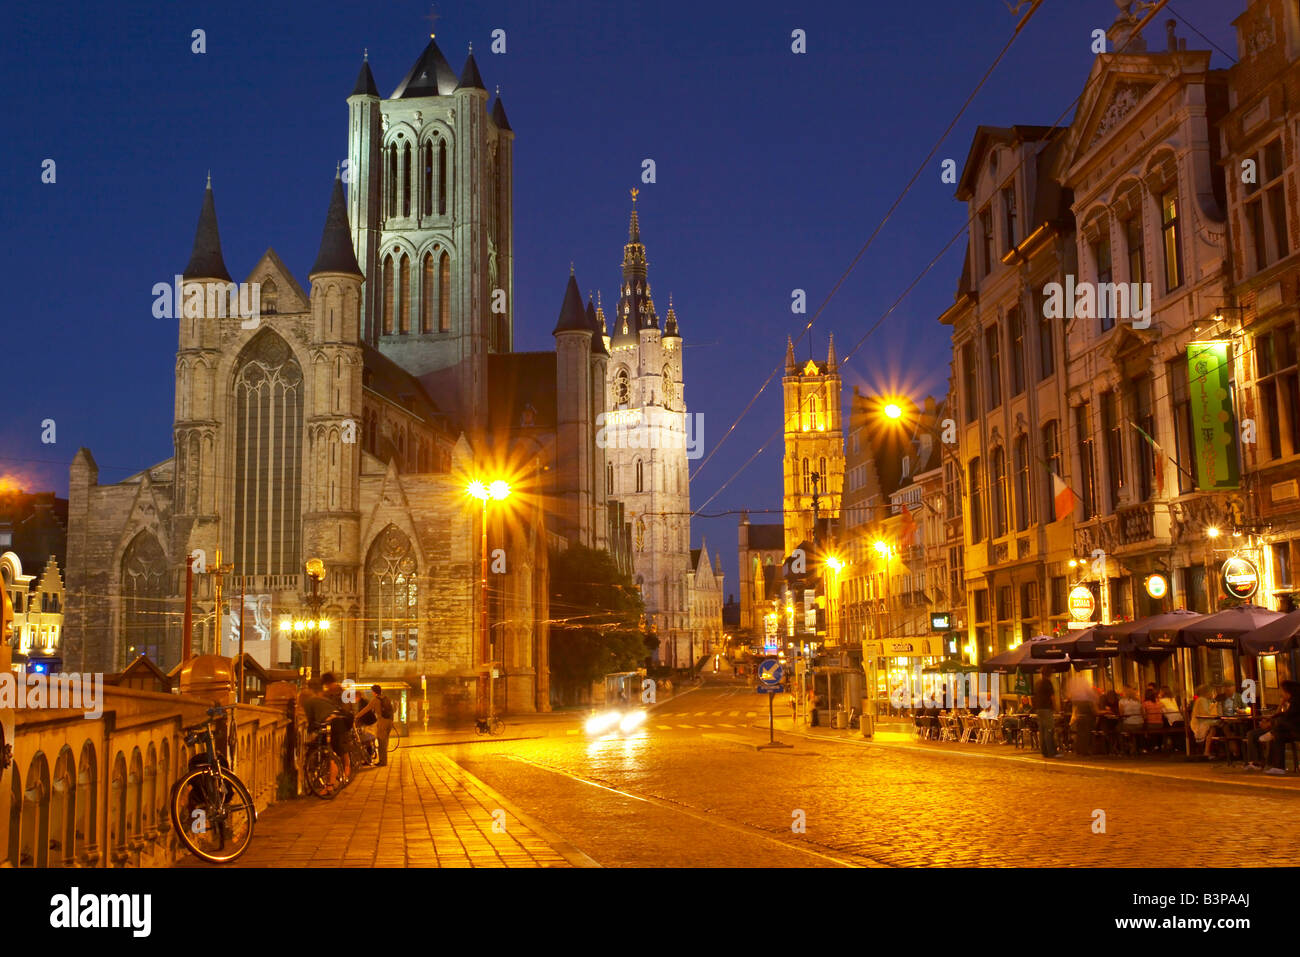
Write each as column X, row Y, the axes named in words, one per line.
column 365, row 80
column 336, row 253
column 832, row 364
column 789, row 356
column 206, row 261
column 469, row 75
column 597, row 324
column 432, row 75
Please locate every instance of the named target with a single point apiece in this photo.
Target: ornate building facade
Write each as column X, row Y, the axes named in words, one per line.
column 814, row 444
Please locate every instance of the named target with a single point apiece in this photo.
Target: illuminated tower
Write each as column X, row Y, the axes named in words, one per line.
column 814, row 443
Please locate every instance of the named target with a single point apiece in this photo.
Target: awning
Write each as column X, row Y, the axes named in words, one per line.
column 1152, row 633
column 1225, row 628
column 1277, row 636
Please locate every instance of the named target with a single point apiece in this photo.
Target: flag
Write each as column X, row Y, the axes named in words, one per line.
column 1063, row 496
column 908, row 533
column 1157, row 459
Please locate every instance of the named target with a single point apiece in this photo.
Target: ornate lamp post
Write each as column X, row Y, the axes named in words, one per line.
column 312, row 627
column 497, row 490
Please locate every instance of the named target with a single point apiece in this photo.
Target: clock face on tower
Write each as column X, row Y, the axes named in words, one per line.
column 622, row 389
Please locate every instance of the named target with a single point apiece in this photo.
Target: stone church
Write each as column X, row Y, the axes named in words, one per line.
column 343, row 421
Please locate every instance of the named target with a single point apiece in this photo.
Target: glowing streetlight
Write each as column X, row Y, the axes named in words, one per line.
column 1212, row 532
column 497, row 490
column 893, row 410
column 835, row 564
column 882, row 549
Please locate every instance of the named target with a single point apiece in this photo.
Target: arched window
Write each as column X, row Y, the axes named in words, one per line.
column 821, row 473
column 807, row 478
column 267, row 468
column 33, row 850
column 270, row 297
column 640, row 477
column 144, row 594
column 406, row 295
column 392, row 599
column 117, row 810
column 84, row 806
column 427, row 292
column 444, row 294
column 63, row 789
column 392, row 181
column 442, row 178
column 406, row 180
column 426, row 164
column 386, row 303
column 812, row 412
column 609, row 480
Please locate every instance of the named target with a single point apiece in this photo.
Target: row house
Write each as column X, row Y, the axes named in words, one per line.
column 1260, row 136
column 1008, row 403
column 1141, row 162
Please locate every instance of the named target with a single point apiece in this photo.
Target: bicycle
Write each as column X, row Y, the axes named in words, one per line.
column 211, row 809
column 319, row 761
column 490, row 725
column 395, row 735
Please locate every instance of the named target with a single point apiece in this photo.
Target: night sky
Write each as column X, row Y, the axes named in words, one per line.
column 772, row 170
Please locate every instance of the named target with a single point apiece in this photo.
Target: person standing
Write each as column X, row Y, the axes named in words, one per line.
column 1083, row 721
column 380, row 708
column 1045, row 706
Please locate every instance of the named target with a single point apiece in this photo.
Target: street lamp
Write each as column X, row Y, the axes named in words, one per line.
column 311, row 627
column 496, row 490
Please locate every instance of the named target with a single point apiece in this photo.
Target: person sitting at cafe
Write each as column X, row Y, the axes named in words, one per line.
column 1153, row 717
column 1205, row 718
column 1277, row 731
column 1169, row 706
column 1130, row 710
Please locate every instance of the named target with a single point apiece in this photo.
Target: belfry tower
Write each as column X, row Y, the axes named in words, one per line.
column 814, row 443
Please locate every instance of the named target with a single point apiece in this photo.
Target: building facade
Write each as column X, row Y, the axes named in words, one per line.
column 813, row 467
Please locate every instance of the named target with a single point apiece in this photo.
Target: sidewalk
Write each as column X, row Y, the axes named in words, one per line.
column 422, row 810
column 1173, row 767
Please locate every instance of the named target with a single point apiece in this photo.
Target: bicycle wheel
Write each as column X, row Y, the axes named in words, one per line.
column 213, row 815
column 496, row 726
column 316, row 772
column 394, row 738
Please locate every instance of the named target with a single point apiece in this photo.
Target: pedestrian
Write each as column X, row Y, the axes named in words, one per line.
column 1083, row 718
column 1044, row 700
column 380, row 708
column 812, row 709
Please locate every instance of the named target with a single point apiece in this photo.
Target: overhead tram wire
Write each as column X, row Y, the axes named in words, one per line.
column 970, row 219
column 920, row 169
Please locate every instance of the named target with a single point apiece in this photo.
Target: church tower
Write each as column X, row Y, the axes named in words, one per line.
column 814, row 444
column 645, row 449
column 430, row 203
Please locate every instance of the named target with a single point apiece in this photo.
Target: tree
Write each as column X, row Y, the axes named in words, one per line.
column 597, row 620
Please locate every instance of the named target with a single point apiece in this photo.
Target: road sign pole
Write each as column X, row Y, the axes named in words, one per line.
column 771, row 734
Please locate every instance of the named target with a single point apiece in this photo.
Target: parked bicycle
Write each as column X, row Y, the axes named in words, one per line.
column 395, row 736
column 322, row 770
column 489, row 725
column 211, row 809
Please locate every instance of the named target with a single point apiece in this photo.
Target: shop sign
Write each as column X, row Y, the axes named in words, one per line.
column 1082, row 604
column 1240, row 577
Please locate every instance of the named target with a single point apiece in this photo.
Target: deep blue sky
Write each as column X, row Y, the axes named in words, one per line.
column 773, row 168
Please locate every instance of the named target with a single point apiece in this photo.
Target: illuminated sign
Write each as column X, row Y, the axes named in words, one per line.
column 941, row 622
column 1082, row 603
column 1240, row 578
column 1157, row 586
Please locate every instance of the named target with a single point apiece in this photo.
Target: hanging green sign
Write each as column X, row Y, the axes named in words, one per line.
column 1214, row 426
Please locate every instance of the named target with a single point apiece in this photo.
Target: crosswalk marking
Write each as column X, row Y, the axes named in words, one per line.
column 751, row 714
column 706, row 726
column 733, row 714
column 685, row 726
column 725, row 725
column 664, row 727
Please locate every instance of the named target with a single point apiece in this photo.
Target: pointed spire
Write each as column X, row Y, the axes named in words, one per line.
column 336, row 253
column 831, row 361
column 432, row 75
column 634, row 227
column 499, row 113
column 469, row 75
column 597, row 325
column 365, row 85
column 670, row 321
column 789, row 356
column 206, row 261
column 572, row 316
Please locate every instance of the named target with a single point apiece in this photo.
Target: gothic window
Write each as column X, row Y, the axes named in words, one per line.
column 812, row 412
column 622, row 388
column 640, row 477
column 268, row 398
column 821, row 473
column 405, row 326
column 406, row 180
column 338, row 383
column 144, row 599
column 270, row 296
column 427, row 294
column 670, row 390
column 392, row 181
column 609, row 480
column 442, row 178
column 386, row 304
column 426, row 163
column 444, row 294
column 392, row 599
column 807, row 478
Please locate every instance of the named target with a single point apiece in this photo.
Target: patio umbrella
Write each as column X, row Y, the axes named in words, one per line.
column 1058, row 646
column 1224, row 628
column 1278, row 635
column 1021, row 658
column 949, row 666
column 1154, row 632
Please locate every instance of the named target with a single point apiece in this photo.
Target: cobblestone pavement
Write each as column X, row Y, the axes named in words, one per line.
column 691, row 790
column 422, row 810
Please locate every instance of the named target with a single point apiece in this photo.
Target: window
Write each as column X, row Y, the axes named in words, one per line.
column 442, row 178
column 986, row 241
column 1028, row 610
column 1046, row 341
column 1087, row 461
column 812, row 414
column 976, row 502
column 998, row 481
column 392, row 181
column 970, row 379
column 426, row 165
column 1282, row 565
column 807, row 478
column 1137, row 263
column 1184, row 449
column 406, row 180
column 982, row 605
column 1016, row 325
column 426, row 294
column 994, row 365
column 1112, row 430
column 1149, row 465
column 386, row 304
column 444, row 294
column 392, row 599
column 1051, row 438
column 1003, row 606
column 1009, row 211
column 609, row 479
column 1279, row 390
column 1172, row 247
column 1023, row 501
column 1058, row 595
column 405, row 324
column 951, row 492
column 145, row 584
column 1105, row 275
column 640, row 477
column 821, row 473
column 1265, row 207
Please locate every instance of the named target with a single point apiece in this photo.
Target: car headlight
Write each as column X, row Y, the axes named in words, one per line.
column 600, row 723
column 631, row 721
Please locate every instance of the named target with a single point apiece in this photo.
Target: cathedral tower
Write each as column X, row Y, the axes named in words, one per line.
column 645, row 449
column 814, row 444
column 430, row 173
